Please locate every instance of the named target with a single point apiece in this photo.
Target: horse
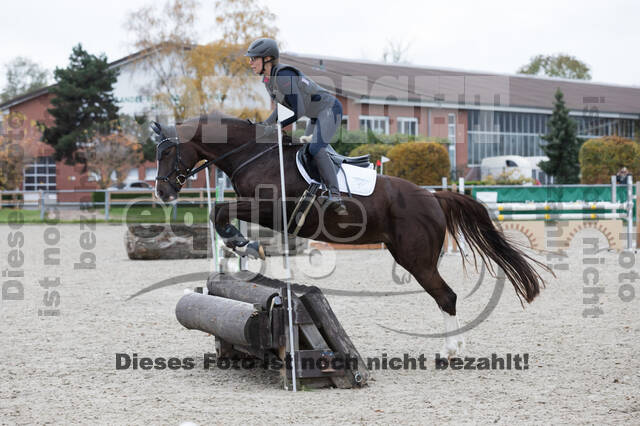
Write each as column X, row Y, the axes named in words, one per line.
column 409, row 220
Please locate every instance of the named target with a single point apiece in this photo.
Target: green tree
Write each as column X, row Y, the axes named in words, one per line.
column 23, row 75
column 83, row 101
column 560, row 65
column 562, row 146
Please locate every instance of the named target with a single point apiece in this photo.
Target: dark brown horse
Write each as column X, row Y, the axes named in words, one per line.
column 409, row 220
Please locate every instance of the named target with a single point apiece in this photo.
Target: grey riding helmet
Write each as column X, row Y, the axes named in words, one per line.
column 262, row 48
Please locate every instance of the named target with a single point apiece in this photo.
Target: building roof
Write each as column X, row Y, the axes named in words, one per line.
column 25, row 97
column 376, row 82
column 402, row 84
column 117, row 63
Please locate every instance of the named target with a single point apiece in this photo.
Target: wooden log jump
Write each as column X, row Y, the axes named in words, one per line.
column 247, row 315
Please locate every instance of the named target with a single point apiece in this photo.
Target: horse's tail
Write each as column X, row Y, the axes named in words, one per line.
column 471, row 219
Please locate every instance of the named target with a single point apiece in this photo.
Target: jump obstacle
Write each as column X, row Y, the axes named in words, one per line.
column 247, row 314
column 551, row 226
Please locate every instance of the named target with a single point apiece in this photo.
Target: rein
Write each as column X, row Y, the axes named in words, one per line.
column 181, row 177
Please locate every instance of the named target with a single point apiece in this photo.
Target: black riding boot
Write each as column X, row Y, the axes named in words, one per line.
column 327, row 170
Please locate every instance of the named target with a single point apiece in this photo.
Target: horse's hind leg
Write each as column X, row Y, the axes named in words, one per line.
column 425, row 271
column 231, row 236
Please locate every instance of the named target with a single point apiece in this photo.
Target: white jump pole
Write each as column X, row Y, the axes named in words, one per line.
column 629, row 212
column 212, row 234
column 445, row 187
column 283, row 114
column 461, row 242
column 614, row 193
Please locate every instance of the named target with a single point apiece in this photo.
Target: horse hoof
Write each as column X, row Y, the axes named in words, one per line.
column 253, row 249
column 261, row 253
column 453, row 348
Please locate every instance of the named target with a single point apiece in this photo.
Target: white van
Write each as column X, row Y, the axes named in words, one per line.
column 518, row 166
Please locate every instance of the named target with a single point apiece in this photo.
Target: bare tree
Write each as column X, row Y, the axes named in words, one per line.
column 23, row 75
column 165, row 36
column 19, row 145
column 107, row 153
column 194, row 79
column 220, row 68
column 396, row 52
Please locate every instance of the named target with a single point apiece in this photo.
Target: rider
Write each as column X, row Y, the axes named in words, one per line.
column 290, row 87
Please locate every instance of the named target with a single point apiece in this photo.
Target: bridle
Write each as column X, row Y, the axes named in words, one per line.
column 181, row 175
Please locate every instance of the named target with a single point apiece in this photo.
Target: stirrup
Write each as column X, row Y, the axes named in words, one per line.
column 334, row 202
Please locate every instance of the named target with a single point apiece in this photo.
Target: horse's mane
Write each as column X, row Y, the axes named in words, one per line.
column 216, row 116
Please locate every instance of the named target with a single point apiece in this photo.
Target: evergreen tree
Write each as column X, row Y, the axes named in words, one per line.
column 83, row 102
column 562, row 146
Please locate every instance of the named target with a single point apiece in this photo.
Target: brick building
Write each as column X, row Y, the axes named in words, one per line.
column 481, row 114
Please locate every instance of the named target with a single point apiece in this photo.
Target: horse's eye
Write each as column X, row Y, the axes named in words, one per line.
column 161, row 153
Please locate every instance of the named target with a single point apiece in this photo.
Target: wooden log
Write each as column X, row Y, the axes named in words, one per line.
column 331, row 329
column 231, row 320
column 147, row 242
column 225, row 286
column 268, row 282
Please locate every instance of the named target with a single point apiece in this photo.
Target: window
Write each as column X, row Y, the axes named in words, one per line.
column 451, row 135
column 408, row 126
column 452, row 128
column 150, row 173
column 40, row 175
column 378, row 124
column 132, row 175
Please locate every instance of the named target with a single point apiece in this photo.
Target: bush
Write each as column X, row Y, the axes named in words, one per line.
column 346, row 141
column 423, row 163
column 375, row 151
column 602, row 158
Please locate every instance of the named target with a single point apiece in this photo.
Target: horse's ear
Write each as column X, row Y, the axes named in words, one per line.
column 155, row 126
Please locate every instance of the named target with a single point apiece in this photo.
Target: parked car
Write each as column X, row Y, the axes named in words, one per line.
column 132, row 185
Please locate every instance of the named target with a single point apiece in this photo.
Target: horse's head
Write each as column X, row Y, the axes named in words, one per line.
column 214, row 137
column 175, row 160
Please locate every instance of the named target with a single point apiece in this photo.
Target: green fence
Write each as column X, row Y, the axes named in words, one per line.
column 557, row 194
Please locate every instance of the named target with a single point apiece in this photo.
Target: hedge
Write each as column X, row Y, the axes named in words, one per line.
column 375, row 151
column 423, row 163
column 603, row 157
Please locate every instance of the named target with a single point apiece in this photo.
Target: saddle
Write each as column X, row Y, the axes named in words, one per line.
column 306, row 160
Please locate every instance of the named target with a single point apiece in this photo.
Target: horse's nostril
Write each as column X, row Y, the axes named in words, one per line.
column 160, row 193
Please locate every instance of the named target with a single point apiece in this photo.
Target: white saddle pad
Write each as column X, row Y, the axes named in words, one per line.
column 362, row 181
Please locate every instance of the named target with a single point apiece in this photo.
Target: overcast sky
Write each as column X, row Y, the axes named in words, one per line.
column 488, row 35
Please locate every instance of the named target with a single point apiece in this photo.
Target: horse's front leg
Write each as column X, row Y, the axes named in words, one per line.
column 221, row 216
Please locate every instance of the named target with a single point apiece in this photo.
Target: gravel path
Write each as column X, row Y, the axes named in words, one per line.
column 62, row 369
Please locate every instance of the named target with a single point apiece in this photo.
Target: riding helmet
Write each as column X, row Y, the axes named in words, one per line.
column 262, row 48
